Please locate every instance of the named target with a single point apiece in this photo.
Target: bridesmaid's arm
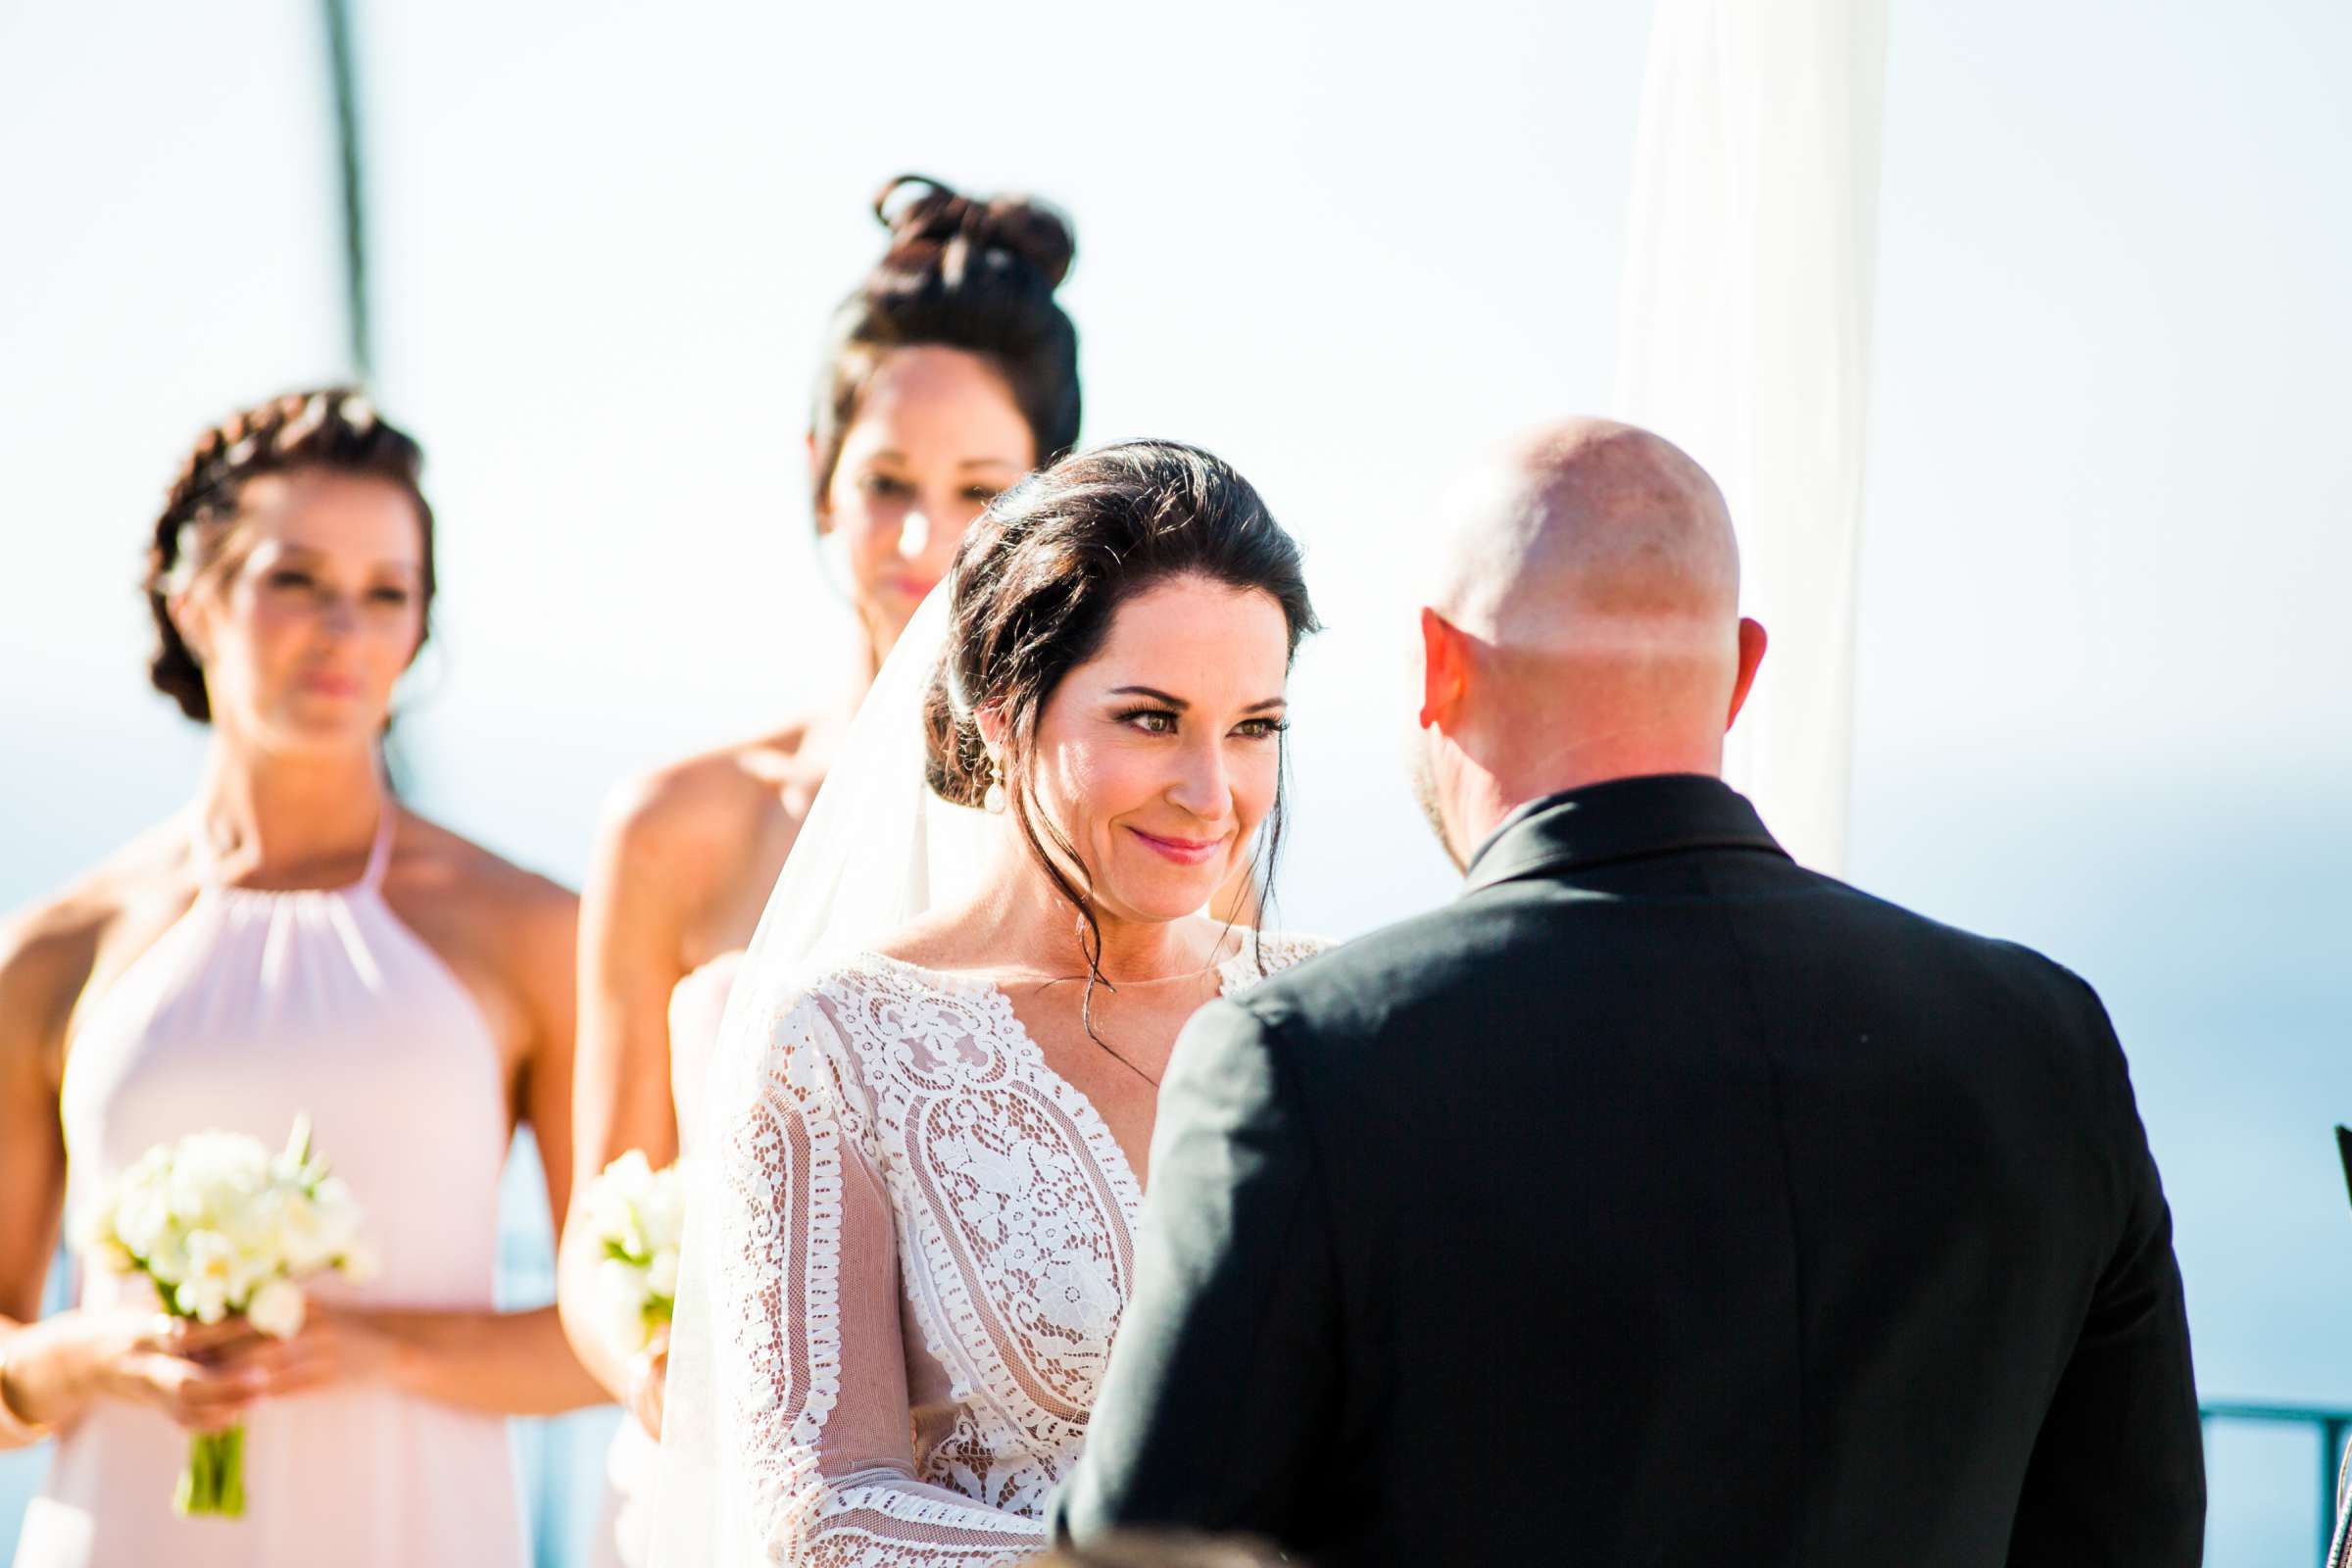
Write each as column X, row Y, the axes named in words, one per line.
column 32, row 1161
column 539, row 1373
column 630, row 962
column 52, row 1369
column 549, row 963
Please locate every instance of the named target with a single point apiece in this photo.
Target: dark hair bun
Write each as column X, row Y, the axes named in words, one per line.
column 956, row 762
column 932, row 226
column 960, row 273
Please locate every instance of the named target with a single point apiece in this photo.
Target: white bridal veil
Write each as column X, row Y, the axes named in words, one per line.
column 878, row 850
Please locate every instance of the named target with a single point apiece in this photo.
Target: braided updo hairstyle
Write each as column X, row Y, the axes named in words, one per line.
column 1036, row 581
column 976, row 276
column 333, row 428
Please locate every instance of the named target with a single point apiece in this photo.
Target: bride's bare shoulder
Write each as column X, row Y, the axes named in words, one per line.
column 938, row 940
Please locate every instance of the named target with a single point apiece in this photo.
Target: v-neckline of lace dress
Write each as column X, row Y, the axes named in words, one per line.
column 1232, row 975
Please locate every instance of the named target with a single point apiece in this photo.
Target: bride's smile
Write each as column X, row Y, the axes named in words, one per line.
column 1158, row 756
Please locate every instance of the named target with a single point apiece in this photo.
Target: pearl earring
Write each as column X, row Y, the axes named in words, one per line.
column 993, row 802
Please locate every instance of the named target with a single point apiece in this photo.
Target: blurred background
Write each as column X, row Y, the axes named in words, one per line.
column 2107, row 533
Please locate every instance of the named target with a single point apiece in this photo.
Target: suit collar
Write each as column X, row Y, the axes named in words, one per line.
column 1624, row 818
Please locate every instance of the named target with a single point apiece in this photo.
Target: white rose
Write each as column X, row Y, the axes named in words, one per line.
column 358, row 1263
column 216, row 1275
column 662, row 1276
column 620, row 1294
column 662, row 1211
column 213, row 1176
column 611, row 1205
column 142, row 1218
column 167, row 1257
column 277, row 1309
column 202, row 1298
column 302, row 1244
column 258, row 1225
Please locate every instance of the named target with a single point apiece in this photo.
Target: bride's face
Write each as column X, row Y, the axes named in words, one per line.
column 1159, row 756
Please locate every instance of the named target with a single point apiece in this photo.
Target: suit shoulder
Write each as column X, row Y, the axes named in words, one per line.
column 1318, row 982
column 2019, row 1002
column 2026, row 975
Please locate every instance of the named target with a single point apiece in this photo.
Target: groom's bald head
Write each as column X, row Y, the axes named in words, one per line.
column 1587, row 530
column 1585, row 624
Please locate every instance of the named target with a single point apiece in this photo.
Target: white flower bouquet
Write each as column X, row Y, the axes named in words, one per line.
column 222, row 1228
column 635, row 1214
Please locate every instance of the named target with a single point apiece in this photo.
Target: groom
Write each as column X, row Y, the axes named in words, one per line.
column 1658, row 1201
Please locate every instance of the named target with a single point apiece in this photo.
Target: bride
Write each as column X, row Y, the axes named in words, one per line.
column 926, row 1129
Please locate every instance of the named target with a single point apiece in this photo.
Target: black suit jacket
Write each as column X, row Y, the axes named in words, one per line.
column 1660, row 1202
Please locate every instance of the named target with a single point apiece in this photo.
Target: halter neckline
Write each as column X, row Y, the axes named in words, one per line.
column 380, row 857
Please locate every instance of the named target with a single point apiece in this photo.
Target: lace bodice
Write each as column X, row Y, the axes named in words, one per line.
column 927, row 1242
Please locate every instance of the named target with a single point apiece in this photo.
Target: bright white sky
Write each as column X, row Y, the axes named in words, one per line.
column 2101, row 705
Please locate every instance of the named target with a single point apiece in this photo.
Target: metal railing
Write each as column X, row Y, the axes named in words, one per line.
column 2331, row 1426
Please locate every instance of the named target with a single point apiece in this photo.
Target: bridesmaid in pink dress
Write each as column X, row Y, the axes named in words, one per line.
column 295, row 940
column 951, row 372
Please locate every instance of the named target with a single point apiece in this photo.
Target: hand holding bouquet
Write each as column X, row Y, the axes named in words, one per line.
column 222, row 1228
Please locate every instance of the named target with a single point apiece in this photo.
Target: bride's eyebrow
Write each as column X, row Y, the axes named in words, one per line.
column 1262, row 705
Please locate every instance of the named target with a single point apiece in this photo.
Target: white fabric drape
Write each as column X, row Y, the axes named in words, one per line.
column 1744, row 337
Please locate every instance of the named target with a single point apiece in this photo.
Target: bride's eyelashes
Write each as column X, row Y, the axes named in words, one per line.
column 1163, row 721
column 1150, row 720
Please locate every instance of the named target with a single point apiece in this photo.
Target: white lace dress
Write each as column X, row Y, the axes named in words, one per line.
column 927, row 1242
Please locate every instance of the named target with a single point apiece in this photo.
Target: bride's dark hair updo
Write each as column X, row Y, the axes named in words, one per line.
column 335, row 428
column 1036, row 581
column 960, row 273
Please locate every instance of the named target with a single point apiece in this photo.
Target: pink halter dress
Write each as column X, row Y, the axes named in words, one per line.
column 253, row 1006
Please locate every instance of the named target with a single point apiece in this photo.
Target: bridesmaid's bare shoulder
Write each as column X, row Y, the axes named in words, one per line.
column 510, row 935
column 53, row 949
column 694, row 824
column 436, row 864
column 716, row 798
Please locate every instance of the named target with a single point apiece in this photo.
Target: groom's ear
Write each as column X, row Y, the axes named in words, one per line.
column 1444, row 671
column 1751, row 655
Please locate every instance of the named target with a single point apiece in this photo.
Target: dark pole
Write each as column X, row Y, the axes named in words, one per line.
column 345, row 77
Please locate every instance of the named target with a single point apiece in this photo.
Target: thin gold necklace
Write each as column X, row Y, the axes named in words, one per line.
column 1115, row 1054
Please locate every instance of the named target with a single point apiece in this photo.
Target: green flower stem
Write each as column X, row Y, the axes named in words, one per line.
column 214, row 1483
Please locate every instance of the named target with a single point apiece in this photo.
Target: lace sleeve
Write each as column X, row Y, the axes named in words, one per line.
column 1268, row 954
column 807, row 1303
